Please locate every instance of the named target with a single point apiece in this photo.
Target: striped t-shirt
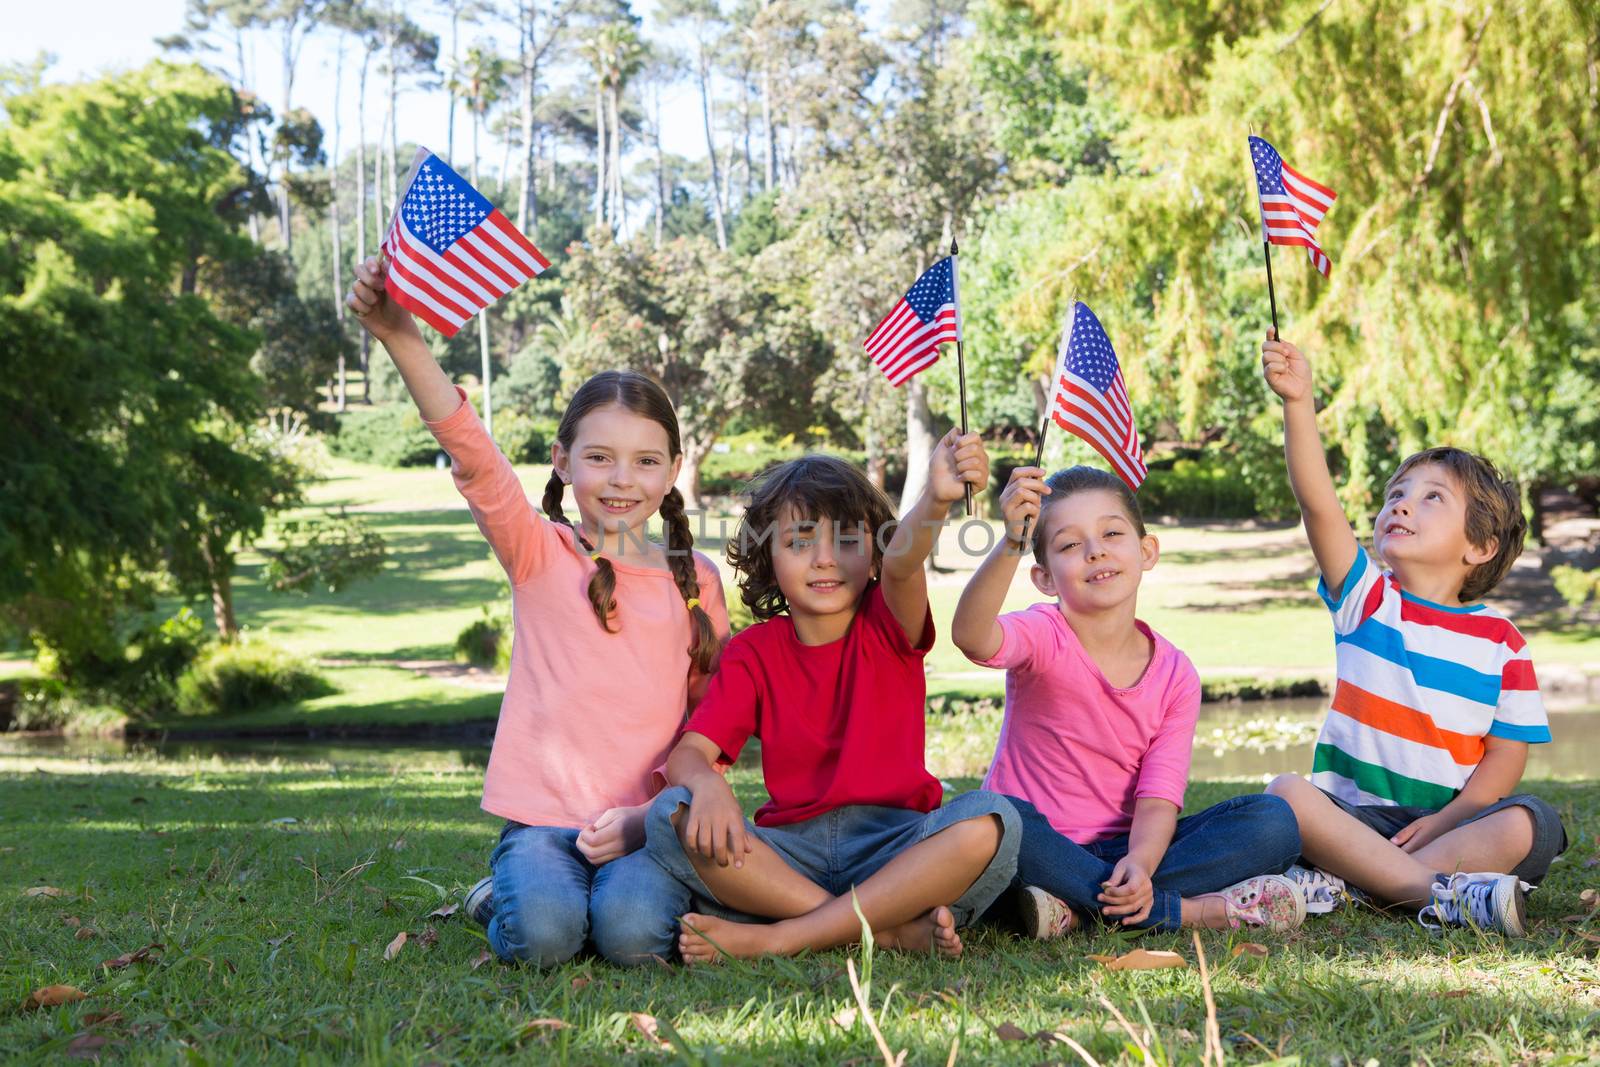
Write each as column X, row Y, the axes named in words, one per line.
column 1420, row 685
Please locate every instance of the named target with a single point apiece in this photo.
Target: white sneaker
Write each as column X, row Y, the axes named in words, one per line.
column 1270, row 901
column 1044, row 915
column 1479, row 901
column 1323, row 892
column 479, row 902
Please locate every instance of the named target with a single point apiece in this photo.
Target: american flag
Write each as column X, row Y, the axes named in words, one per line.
column 908, row 338
column 1291, row 204
column 451, row 252
column 1091, row 400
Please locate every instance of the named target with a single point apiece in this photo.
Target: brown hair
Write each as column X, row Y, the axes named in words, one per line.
column 642, row 396
column 815, row 487
column 1494, row 511
column 1082, row 479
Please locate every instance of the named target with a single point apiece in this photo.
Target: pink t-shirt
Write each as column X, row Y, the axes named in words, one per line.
column 1078, row 748
column 588, row 715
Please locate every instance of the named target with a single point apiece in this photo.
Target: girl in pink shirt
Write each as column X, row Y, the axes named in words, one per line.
column 613, row 633
column 1099, row 724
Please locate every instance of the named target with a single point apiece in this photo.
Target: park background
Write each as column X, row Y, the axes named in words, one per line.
column 251, row 644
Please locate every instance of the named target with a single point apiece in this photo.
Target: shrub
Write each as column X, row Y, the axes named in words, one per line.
column 1199, row 490
column 391, row 436
column 486, row 642
column 522, row 438
column 131, row 664
column 1575, row 585
column 243, row 677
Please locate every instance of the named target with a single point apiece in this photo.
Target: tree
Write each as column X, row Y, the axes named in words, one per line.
column 705, row 23
column 720, row 336
column 133, row 391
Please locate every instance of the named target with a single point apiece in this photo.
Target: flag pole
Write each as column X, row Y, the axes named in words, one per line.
column 961, row 359
column 1266, row 245
column 1049, row 407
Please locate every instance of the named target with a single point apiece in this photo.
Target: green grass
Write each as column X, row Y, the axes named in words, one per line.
column 273, row 932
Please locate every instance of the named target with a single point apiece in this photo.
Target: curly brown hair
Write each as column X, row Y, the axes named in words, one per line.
column 642, row 396
column 1494, row 511
column 813, row 487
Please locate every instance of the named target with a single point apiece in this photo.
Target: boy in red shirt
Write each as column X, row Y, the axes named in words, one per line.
column 831, row 681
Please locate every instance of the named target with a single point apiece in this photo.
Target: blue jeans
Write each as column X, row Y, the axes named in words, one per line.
column 842, row 848
column 1226, row 843
column 549, row 901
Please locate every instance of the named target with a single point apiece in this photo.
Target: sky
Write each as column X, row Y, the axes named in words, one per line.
column 98, row 36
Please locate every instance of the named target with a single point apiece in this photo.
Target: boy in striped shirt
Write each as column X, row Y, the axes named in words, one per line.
column 1412, row 796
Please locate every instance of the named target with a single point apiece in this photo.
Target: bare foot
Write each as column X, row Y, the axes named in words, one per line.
column 741, row 940
column 933, row 932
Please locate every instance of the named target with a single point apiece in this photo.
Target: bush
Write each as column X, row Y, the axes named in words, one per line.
column 131, row 664
column 729, row 473
column 391, row 436
column 243, row 677
column 522, row 438
column 1194, row 489
column 1575, row 585
column 486, row 642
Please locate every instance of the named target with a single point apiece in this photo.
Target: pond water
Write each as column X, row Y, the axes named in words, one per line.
column 1247, row 740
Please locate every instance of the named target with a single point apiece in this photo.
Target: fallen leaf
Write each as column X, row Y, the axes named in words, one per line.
column 483, row 957
column 42, row 891
column 443, row 912
column 543, row 1026
column 581, row 981
column 845, row 1017
column 51, row 995
column 1250, row 947
column 102, row 1018
column 277, row 941
column 86, row 1046
column 646, row 1025
column 1589, row 899
column 287, row 820
column 428, row 938
column 1453, row 994
column 1587, row 936
column 1142, row 959
column 395, row 946
column 72, row 920
column 1010, row 1032
column 398, row 844
column 139, row 955
column 86, row 933
column 1574, row 918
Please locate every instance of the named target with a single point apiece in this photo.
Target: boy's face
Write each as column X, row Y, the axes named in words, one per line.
column 1094, row 556
column 1423, row 523
column 822, row 567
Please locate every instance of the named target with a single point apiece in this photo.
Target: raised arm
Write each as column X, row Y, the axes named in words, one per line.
column 397, row 331
column 957, row 460
column 1333, row 543
column 976, row 626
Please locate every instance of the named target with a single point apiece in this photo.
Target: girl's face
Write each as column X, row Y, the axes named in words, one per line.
column 1094, row 556
column 822, row 567
column 619, row 467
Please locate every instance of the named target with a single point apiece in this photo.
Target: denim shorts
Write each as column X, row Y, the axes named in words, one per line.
column 1549, row 836
column 844, row 847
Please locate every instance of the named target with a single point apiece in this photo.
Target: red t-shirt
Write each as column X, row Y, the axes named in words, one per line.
column 839, row 724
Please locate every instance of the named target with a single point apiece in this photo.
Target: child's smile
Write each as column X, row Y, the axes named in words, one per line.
column 1095, row 556
column 822, row 569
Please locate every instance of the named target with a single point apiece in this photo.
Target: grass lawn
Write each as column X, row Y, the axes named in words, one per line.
column 272, row 889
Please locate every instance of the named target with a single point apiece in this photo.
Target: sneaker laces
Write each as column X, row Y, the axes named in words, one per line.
column 1464, row 901
column 1323, row 891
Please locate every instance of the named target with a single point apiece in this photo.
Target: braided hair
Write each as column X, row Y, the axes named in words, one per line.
column 643, row 396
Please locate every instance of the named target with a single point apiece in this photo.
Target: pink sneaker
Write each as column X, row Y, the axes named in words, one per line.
column 1044, row 916
column 1269, row 900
